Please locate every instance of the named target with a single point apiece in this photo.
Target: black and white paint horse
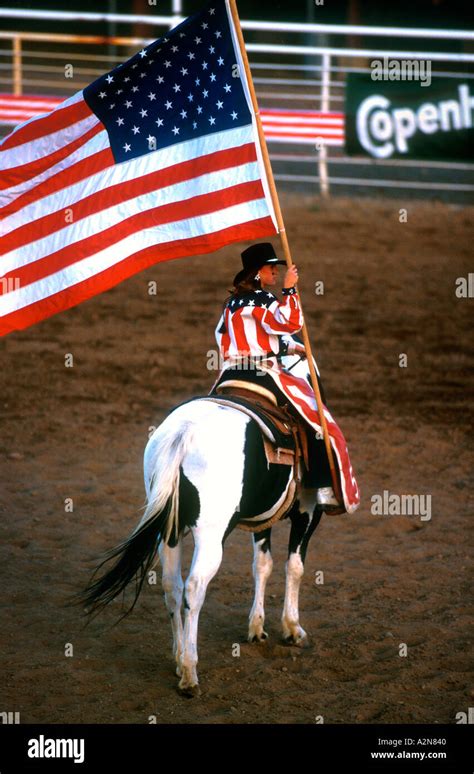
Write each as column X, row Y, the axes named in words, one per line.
column 204, row 466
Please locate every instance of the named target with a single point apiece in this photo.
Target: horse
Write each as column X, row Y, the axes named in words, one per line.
column 205, row 469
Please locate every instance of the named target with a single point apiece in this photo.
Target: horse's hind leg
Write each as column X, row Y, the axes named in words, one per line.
column 206, row 561
column 173, row 585
column 262, row 569
column 302, row 527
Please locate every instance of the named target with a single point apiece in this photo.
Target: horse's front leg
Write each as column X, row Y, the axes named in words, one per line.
column 172, row 582
column 262, row 568
column 302, row 527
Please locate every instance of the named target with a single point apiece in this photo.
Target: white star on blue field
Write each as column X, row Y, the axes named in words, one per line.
column 180, row 87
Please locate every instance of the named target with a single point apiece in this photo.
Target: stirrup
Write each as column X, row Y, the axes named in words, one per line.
column 328, row 502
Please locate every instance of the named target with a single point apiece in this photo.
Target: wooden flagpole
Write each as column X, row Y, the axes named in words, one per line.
column 285, row 246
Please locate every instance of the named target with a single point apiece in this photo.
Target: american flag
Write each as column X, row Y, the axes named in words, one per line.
column 157, row 159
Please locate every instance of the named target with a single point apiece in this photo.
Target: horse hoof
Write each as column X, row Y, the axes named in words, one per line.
column 189, row 691
column 258, row 637
column 298, row 641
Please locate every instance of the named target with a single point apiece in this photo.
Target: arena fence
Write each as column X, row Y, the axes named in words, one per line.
column 300, row 87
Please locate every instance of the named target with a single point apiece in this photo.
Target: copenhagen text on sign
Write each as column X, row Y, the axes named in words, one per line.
column 382, row 130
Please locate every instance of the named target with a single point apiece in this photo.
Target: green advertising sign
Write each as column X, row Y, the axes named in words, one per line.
column 424, row 119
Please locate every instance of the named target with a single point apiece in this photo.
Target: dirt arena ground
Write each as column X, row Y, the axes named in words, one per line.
column 388, row 580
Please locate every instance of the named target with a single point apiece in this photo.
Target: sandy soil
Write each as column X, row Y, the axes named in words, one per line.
column 80, row 432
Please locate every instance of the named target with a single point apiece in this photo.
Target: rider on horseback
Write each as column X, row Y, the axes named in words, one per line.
column 257, row 336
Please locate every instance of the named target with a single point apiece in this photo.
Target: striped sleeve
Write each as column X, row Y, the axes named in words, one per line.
column 283, row 316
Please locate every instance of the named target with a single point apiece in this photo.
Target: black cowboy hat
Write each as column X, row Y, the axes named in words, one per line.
column 256, row 256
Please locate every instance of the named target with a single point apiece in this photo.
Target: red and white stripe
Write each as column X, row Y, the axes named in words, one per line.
column 73, row 223
column 300, row 394
column 303, row 126
column 255, row 331
column 14, row 108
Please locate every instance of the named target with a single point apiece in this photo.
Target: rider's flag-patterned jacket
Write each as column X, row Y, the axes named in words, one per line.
column 253, row 324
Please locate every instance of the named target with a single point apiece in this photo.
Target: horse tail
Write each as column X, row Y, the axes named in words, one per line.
column 135, row 555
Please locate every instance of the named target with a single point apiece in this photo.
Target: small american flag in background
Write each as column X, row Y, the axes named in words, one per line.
column 158, row 159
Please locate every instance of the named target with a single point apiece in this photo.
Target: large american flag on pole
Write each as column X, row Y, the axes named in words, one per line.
column 157, row 159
